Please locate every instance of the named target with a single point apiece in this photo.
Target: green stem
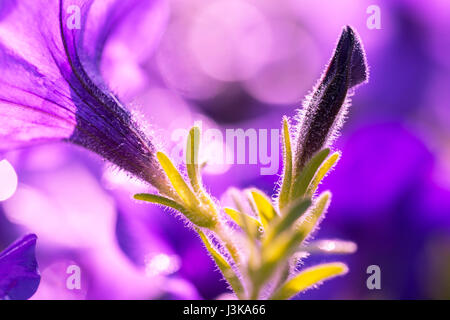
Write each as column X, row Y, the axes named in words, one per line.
column 255, row 292
column 229, row 245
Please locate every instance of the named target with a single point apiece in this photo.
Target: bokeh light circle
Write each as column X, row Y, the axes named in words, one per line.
column 8, row 180
column 231, row 40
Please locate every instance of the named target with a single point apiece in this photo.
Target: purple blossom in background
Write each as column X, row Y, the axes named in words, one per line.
column 19, row 275
column 51, row 88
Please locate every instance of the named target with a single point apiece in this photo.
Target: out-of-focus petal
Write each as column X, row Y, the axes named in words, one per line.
column 61, row 212
column 230, row 39
column 55, row 278
column 19, row 275
column 132, row 40
column 78, row 226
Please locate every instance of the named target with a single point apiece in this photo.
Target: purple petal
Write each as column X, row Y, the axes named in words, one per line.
column 19, row 275
column 6, row 6
column 51, row 88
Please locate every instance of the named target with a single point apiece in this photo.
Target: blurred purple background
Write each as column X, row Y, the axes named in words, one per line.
column 245, row 64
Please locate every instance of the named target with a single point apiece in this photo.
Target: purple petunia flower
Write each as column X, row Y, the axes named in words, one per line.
column 19, row 275
column 51, row 88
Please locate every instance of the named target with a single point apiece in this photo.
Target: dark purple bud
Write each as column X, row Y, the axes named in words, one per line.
column 325, row 108
column 19, row 275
